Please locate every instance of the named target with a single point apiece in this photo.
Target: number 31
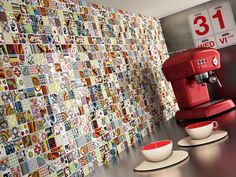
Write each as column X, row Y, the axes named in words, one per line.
column 201, row 21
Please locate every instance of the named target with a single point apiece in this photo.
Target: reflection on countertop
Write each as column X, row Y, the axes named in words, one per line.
column 216, row 159
column 208, row 154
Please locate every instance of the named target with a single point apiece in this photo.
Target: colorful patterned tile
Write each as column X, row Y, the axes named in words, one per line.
column 67, row 79
column 33, row 165
column 13, row 160
column 25, row 168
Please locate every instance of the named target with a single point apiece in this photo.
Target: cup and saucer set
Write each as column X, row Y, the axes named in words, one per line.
column 160, row 154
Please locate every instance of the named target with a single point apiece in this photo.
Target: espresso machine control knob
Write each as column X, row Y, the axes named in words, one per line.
column 213, row 79
column 215, row 61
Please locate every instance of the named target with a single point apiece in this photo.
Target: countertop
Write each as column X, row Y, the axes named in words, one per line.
column 216, row 159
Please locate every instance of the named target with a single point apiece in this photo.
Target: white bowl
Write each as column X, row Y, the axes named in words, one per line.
column 201, row 130
column 157, row 151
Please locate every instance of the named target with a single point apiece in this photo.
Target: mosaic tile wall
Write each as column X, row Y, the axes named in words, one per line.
column 79, row 83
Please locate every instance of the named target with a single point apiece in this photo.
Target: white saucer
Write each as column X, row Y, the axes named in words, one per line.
column 176, row 157
column 216, row 135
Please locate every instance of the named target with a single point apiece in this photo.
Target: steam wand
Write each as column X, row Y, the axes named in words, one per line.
column 214, row 79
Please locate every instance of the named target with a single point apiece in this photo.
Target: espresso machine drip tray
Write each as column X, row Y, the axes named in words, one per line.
column 206, row 110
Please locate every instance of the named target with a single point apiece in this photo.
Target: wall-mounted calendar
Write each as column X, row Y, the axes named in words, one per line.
column 214, row 27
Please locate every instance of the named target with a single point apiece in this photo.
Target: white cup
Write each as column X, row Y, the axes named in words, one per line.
column 157, row 151
column 201, row 130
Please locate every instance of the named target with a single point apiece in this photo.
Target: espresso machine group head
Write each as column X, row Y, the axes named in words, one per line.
column 189, row 72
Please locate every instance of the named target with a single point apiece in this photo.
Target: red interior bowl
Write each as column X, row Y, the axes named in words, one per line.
column 155, row 145
column 199, row 124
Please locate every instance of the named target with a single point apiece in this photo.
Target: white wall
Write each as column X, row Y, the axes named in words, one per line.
column 155, row 8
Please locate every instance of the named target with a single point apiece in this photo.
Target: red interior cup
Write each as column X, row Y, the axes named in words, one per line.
column 199, row 124
column 155, row 145
column 201, row 130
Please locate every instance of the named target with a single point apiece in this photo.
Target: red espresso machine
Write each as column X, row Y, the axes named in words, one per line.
column 189, row 72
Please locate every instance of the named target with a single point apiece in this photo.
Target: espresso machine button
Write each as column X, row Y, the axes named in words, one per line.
column 215, row 61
